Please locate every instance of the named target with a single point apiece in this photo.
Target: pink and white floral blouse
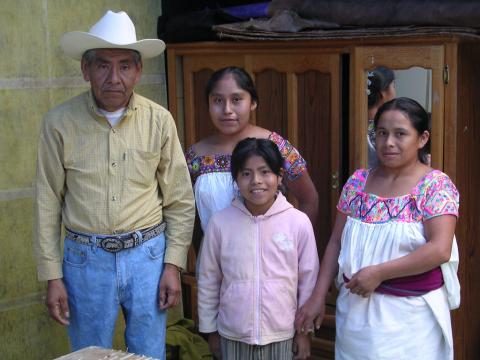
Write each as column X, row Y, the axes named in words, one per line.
column 434, row 195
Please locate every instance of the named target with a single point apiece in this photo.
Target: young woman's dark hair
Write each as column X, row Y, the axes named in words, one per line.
column 242, row 78
column 249, row 147
column 417, row 115
column 379, row 79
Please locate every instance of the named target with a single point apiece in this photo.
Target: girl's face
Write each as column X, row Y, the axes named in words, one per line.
column 397, row 141
column 230, row 106
column 258, row 185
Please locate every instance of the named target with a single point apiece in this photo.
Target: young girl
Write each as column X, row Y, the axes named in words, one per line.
column 258, row 263
column 393, row 249
column 231, row 99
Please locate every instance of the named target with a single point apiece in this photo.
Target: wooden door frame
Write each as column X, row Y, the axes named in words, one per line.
column 398, row 57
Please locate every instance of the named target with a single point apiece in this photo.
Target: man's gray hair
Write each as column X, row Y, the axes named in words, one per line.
column 89, row 56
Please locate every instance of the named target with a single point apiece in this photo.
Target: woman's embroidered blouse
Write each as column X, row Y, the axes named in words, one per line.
column 294, row 163
column 434, row 195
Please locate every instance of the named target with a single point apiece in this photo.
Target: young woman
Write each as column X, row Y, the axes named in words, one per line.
column 258, row 263
column 231, row 99
column 393, row 250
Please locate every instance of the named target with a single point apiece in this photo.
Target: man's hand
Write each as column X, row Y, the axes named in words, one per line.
column 169, row 289
column 214, row 344
column 57, row 301
column 301, row 346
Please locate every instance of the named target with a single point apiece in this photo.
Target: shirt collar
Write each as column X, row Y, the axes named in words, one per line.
column 93, row 107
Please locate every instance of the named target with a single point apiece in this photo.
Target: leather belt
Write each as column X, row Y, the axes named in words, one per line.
column 116, row 243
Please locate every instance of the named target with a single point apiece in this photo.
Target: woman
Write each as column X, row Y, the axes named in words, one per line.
column 232, row 98
column 393, row 250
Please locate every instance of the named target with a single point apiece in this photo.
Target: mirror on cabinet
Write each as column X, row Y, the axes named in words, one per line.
column 420, row 73
column 384, row 84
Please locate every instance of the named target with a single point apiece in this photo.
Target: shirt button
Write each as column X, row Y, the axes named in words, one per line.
column 114, row 164
column 114, row 198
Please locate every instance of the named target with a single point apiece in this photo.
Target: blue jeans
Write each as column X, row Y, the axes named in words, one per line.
column 99, row 282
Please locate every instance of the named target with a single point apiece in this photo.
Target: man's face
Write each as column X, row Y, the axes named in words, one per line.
column 112, row 74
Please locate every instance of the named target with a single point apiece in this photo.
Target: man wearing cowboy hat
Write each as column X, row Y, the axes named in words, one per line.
column 111, row 169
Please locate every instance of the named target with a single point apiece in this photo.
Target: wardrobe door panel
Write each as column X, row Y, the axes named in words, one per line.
column 203, row 125
column 315, row 141
column 300, row 98
column 272, row 110
column 466, row 320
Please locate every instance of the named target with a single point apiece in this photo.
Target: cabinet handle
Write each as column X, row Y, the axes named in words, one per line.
column 335, row 182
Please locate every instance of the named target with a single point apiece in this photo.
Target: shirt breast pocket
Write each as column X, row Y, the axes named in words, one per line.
column 142, row 166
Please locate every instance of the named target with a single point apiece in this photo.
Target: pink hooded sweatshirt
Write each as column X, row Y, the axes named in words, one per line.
column 255, row 271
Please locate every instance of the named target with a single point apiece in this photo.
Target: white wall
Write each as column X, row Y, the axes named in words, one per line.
column 415, row 83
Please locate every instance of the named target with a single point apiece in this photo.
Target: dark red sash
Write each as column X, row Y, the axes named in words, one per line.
column 413, row 285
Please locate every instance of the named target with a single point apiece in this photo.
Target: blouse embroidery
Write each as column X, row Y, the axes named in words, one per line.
column 294, row 164
column 434, row 195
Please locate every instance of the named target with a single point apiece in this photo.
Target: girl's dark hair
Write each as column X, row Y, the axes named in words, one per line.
column 242, row 78
column 249, row 147
column 379, row 79
column 417, row 115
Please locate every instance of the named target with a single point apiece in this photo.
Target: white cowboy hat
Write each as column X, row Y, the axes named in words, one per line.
column 112, row 31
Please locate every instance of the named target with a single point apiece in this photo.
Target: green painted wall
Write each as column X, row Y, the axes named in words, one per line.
column 35, row 76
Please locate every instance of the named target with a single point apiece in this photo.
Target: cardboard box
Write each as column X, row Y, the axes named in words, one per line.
column 98, row 353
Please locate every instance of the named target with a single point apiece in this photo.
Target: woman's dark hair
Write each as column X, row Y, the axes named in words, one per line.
column 417, row 115
column 379, row 79
column 242, row 78
column 249, row 147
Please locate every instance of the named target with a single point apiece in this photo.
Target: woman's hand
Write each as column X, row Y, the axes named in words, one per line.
column 439, row 233
column 365, row 281
column 310, row 315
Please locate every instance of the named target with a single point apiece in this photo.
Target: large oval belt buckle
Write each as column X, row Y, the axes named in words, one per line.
column 112, row 245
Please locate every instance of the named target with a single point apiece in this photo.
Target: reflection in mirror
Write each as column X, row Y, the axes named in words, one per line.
column 384, row 84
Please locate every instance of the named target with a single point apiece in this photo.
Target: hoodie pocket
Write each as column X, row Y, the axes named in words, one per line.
column 235, row 315
column 279, row 305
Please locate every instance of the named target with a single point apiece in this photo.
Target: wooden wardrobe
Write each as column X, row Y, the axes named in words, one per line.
column 314, row 93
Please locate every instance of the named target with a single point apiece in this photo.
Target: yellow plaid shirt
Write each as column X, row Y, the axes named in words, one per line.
column 99, row 179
